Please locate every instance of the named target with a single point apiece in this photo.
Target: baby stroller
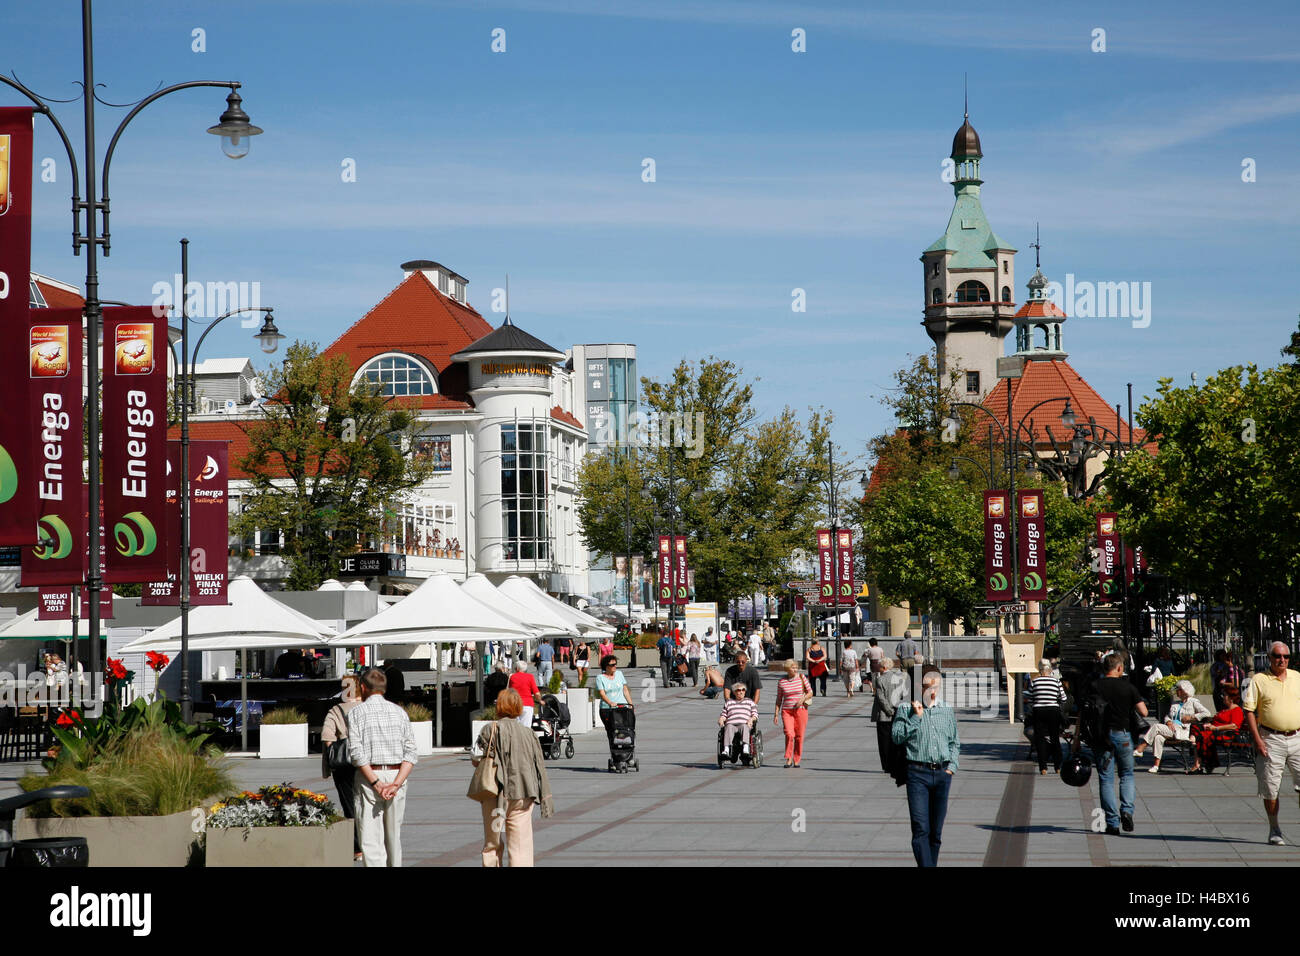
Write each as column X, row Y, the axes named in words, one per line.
column 551, row 724
column 678, row 671
column 750, row 756
column 622, row 739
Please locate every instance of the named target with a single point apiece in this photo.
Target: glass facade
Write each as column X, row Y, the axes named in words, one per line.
column 524, row 492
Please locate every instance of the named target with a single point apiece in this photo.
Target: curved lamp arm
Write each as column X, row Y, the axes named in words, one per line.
column 112, row 144
column 996, row 421
column 982, row 470
column 194, row 356
column 43, row 107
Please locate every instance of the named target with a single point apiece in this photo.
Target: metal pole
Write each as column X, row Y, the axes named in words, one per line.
column 437, row 704
column 835, row 555
column 183, row 578
column 243, row 696
column 1011, row 506
column 93, row 315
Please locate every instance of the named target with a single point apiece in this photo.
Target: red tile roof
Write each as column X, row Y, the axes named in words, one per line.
column 1053, row 379
column 416, row 318
column 560, row 415
column 57, row 298
column 1040, row 308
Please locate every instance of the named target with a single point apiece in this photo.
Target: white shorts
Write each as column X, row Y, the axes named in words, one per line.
column 1282, row 751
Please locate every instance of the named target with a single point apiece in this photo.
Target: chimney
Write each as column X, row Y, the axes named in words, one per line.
column 449, row 283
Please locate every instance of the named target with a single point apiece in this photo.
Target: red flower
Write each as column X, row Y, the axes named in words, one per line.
column 68, row 718
column 156, row 660
column 115, row 669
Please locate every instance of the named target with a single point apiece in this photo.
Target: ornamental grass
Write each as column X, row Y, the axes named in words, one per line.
column 284, row 715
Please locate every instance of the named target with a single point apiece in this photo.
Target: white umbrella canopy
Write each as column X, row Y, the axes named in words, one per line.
column 28, row 627
column 537, row 617
column 524, row 591
column 438, row 610
column 252, row 620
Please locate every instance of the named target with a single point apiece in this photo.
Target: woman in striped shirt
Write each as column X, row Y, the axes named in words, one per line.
column 1045, row 696
column 792, row 696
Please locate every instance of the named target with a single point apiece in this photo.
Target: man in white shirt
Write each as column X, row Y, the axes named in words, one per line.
column 710, row 642
column 756, row 649
column 381, row 745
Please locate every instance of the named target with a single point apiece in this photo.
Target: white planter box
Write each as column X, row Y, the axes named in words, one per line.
column 579, row 710
column 476, row 728
column 283, row 740
column 423, row 737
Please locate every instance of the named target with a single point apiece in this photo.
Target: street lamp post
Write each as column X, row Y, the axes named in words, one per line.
column 235, row 130
column 269, row 337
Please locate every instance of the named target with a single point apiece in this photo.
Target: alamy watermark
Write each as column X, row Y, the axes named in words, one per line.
column 37, row 689
column 678, row 430
column 209, row 300
column 1103, row 300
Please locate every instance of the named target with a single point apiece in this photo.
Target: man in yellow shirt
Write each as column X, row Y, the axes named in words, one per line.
column 1272, row 706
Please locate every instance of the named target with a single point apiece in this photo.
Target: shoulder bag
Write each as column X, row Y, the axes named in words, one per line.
column 337, row 752
column 483, row 785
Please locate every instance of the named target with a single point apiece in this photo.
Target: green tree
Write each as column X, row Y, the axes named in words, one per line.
column 325, row 461
column 1217, row 509
column 740, row 485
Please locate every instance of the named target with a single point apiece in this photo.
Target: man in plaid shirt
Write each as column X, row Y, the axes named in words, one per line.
column 381, row 745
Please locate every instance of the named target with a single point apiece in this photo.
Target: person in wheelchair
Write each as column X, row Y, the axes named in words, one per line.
column 739, row 716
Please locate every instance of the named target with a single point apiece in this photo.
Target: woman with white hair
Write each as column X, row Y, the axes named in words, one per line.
column 525, row 685
column 1045, row 695
column 1183, row 712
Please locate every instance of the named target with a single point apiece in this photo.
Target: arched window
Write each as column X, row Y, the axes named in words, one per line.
column 398, row 374
column 937, row 296
column 972, row 291
column 1006, row 293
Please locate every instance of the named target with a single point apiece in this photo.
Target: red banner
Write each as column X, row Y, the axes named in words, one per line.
column 844, row 557
column 1108, row 566
column 52, row 354
column 682, row 577
column 825, row 568
column 1033, row 554
column 135, row 443
column 55, row 604
column 665, row 570
column 998, row 580
column 209, row 526
column 209, row 522
column 18, row 462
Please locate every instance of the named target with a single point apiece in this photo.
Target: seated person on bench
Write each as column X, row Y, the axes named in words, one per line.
column 1221, row 730
column 739, row 716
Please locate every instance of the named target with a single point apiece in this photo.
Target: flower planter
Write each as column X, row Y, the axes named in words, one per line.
column 122, row 841
column 423, row 737
column 281, row 846
column 283, row 740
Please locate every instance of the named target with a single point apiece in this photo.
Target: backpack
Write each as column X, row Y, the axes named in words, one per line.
column 1094, row 721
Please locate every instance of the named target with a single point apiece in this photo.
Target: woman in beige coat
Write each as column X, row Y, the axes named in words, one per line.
column 336, row 728
column 521, row 782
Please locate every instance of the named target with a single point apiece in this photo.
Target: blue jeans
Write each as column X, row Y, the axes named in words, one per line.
column 927, row 804
column 1121, row 752
column 544, row 670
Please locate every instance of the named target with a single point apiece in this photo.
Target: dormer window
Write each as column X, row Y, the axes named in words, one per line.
column 442, row 282
column 398, row 375
column 972, row 291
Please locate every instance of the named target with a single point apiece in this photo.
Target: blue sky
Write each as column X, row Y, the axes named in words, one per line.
column 775, row 170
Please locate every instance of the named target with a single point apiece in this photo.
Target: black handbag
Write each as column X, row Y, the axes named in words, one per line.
column 338, row 755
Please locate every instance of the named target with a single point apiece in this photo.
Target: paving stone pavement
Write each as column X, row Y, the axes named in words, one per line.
column 682, row 810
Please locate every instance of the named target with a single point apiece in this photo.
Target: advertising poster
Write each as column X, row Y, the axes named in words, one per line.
column 1108, row 559
column 825, row 568
column 135, row 444
column 681, row 573
column 844, row 556
column 665, row 570
column 1032, row 555
column 18, row 465
column 998, row 582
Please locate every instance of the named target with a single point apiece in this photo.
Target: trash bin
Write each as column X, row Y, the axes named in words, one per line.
column 50, row 852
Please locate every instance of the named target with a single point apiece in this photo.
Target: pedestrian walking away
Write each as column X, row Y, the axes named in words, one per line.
column 1272, row 706
column 545, row 662
column 793, row 692
column 875, row 654
column 334, row 729
column 667, row 651
column 694, row 654
column 381, row 746
column 890, row 689
column 908, row 651
column 1121, row 699
column 928, row 731
column 1045, row 696
column 523, row 684
column 817, row 665
column 521, row 784
column 849, row 669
